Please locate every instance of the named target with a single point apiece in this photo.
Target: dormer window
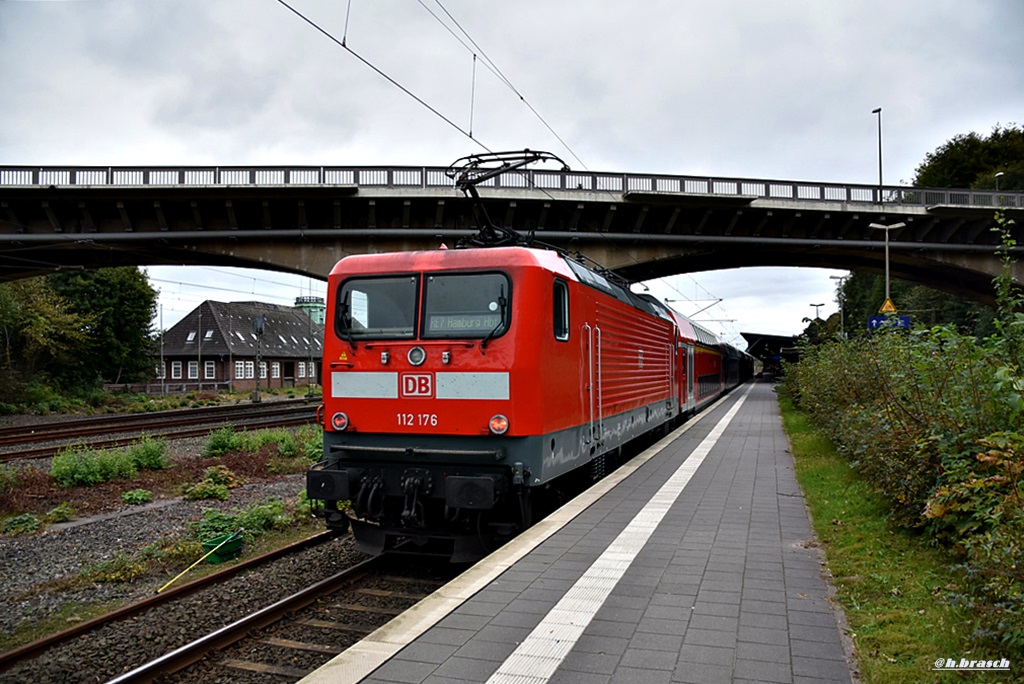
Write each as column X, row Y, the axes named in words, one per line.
column 191, row 336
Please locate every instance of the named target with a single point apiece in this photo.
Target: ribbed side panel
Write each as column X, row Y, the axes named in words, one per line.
column 635, row 364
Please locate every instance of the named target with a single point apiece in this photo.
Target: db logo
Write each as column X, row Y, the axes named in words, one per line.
column 415, row 385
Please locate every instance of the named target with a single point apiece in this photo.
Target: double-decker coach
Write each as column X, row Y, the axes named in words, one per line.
column 457, row 381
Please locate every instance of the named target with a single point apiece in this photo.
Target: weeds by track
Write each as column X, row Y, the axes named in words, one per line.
column 294, row 636
column 112, row 431
column 41, row 646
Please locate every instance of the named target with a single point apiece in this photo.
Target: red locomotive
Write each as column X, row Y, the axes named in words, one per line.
column 461, row 386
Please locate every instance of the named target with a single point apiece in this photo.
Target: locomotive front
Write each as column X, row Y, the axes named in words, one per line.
column 420, row 434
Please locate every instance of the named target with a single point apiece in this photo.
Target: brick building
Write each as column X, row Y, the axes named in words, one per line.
column 220, row 346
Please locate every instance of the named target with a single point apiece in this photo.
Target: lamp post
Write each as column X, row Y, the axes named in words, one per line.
column 258, row 327
column 841, row 298
column 199, row 354
column 816, row 307
column 879, row 226
column 879, row 113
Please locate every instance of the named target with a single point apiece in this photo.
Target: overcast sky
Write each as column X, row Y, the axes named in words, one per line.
column 756, row 89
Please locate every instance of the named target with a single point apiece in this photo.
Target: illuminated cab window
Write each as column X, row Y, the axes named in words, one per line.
column 377, row 308
column 561, row 310
column 467, row 305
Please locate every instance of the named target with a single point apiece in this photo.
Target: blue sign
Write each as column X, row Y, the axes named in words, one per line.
column 889, row 322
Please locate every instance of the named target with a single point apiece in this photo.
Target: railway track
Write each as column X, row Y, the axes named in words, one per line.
column 41, row 646
column 292, row 637
column 118, row 430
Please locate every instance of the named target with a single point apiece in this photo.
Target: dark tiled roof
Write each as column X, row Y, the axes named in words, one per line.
column 229, row 328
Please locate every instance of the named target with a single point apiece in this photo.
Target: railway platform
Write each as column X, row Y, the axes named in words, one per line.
column 694, row 562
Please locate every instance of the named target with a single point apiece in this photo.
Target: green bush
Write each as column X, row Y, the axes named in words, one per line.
column 205, row 490
column 934, row 420
column 306, row 442
column 254, row 520
column 136, row 497
column 10, row 476
column 83, row 467
column 222, row 441
column 26, row 523
column 216, row 482
column 149, row 454
column 310, row 439
column 72, row 468
column 220, row 475
column 44, row 400
column 61, row 513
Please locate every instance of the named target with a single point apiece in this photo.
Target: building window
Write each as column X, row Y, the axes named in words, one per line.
column 239, row 370
column 193, row 370
column 312, row 370
column 161, row 371
column 263, row 370
column 175, row 370
column 275, row 369
column 210, row 370
column 301, row 367
column 208, row 335
column 191, row 336
column 250, row 370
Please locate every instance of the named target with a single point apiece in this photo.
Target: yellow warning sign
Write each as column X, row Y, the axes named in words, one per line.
column 887, row 307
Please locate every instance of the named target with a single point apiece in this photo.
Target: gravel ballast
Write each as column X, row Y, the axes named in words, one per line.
column 28, row 564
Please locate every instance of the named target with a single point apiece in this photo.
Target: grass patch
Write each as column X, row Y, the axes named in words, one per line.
column 890, row 583
column 70, row 613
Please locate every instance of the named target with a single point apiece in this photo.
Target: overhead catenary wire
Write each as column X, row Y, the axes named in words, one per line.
column 493, row 67
column 343, row 45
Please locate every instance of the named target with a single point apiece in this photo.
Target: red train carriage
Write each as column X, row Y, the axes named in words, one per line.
column 701, row 357
column 463, row 386
column 458, row 382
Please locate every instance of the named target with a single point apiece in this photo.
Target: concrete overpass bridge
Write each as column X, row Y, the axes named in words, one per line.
column 303, row 219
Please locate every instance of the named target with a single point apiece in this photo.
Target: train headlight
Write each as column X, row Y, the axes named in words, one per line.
column 417, row 356
column 498, row 424
column 339, row 421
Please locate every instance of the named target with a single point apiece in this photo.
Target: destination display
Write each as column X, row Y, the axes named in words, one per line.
column 462, row 322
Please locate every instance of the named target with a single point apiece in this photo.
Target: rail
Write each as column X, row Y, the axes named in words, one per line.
column 424, row 177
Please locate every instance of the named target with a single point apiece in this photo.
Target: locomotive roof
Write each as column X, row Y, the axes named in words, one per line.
column 487, row 257
column 495, row 257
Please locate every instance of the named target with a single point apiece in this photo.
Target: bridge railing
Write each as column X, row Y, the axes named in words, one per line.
column 540, row 179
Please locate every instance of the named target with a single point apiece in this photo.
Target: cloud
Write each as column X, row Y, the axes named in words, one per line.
column 733, row 88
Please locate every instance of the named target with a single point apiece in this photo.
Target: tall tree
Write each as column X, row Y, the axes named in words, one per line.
column 972, row 161
column 120, row 304
column 39, row 332
column 967, row 160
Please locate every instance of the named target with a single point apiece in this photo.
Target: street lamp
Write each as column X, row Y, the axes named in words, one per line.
column 998, row 175
column 816, row 307
column 879, row 113
column 841, row 298
column 879, row 226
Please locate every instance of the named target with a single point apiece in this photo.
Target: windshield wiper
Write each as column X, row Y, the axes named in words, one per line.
column 502, row 302
column 346, row 321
